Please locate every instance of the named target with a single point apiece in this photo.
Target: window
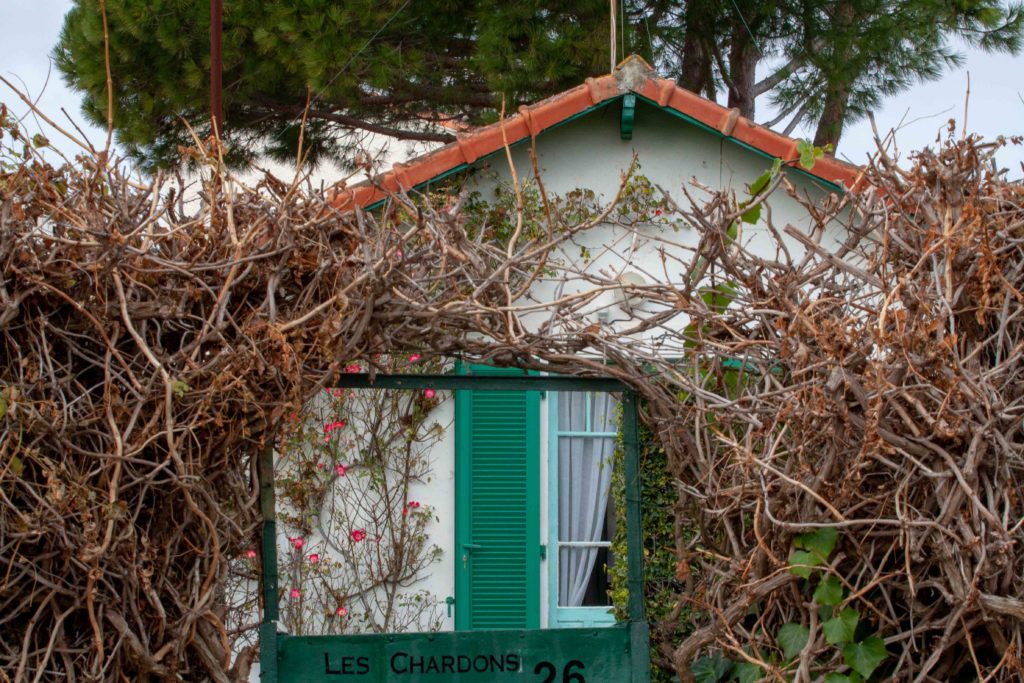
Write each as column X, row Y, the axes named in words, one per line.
column 581, row 517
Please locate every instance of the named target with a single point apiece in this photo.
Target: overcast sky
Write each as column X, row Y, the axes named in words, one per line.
column 29, row 30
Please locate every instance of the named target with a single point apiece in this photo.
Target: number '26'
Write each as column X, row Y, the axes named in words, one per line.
column 568, row 673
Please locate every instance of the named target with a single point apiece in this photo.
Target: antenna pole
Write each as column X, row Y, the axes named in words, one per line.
column 613, row 13
column 216, row 65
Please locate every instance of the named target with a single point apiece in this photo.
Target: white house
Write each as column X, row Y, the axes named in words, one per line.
column 521, row 484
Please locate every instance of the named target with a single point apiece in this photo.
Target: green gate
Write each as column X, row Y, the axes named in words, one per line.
column 620, row 653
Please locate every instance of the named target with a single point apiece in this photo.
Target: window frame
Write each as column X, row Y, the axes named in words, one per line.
column 560, row 616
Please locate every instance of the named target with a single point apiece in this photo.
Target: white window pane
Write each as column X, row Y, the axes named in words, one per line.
column 583, row 577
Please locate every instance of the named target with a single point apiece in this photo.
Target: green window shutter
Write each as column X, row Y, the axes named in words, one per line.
column 497, row 554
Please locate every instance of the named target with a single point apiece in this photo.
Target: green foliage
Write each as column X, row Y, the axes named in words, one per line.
column 829, row 592
column 809, row 153
column 865, row 656
column 792, row 639
column 820, row 542
column 746, row 672
column 840, row 629
column 370, row 63
column 385, row 62
column 712, row 669
column 665, row 577
column 809, row 560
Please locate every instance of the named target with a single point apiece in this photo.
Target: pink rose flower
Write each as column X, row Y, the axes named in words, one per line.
column 314, row 558
column 405, row 511
column 341, row 611
column 414, row 503
column 297, row 543
column 331, row 426
column 415, row 358
column 358, row 535
column 353, row 368
column 251, row 554
column 340, row 469
column 429, row 393
column 295, row 593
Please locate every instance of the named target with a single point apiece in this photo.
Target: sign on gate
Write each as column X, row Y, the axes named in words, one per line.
column 542, row 656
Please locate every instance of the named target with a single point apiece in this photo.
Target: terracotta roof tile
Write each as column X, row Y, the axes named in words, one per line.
column 633, row 75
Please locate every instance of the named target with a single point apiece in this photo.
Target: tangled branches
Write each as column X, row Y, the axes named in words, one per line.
column 148, row 355
column 885, row 409
column 858, row 403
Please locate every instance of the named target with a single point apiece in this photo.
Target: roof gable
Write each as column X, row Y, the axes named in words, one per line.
column 632, row 76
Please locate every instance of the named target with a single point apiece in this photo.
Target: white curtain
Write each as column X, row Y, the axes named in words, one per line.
column 584, row 481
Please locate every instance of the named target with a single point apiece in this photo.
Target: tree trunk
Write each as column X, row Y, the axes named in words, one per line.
column 696, row 67
column 830, row 125
column 837, row 88
column 743, row 58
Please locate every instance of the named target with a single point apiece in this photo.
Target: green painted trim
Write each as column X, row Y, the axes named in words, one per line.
column 623, row 133
column 268, row 544
column 750, row 148
column 628, row 116
column 634, row 529
column 640, row 648
column 595, row 655
column 270, row 652
column 463, row 413
column 483, row 382
column 464, row 166
column 533, row 510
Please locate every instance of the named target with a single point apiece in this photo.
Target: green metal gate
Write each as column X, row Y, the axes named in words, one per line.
column 620, row 653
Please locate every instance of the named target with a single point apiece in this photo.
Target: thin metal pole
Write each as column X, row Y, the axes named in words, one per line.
column 216, row 66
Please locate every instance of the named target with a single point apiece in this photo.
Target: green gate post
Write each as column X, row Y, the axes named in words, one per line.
column 638, row 628
column 268, row 575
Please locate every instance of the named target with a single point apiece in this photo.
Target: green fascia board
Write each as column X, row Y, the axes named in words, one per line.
column 750, row 148
column 483, row 382
column 628, row 99
column 487, row 157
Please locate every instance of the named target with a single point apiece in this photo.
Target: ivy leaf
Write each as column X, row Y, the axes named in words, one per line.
column 841, row 629
column 852, row 677
column 760, row 183
column 711, row 669
column 829, row 591
column 865, row 656
column 801, row 563
column 751, row 215
column 17, row 466
column 3, row 406
column 748, row 672
column 792, row 638
column 821, row 541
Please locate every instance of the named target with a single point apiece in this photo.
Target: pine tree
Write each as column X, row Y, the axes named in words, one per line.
column 398, row 66
column 385, row 66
